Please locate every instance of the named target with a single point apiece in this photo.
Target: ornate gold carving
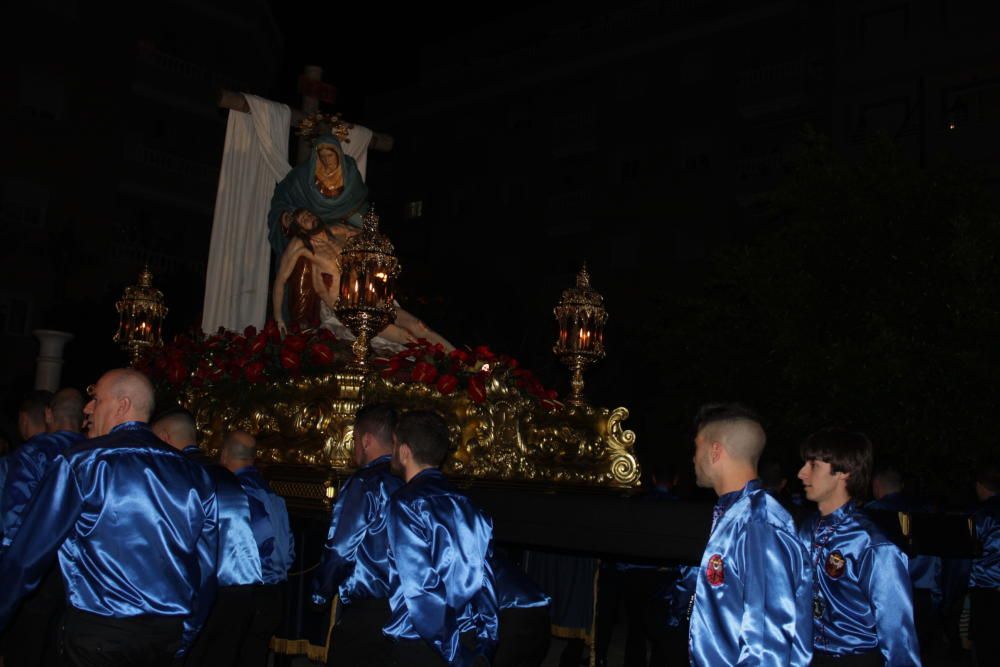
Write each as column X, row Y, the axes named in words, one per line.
column 508, row 438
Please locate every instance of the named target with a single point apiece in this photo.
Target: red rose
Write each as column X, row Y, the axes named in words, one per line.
column 459, row 355
column 477, row 388
column 290, row 360
column 259, row 343
column 446, row 384
column 295, row 343
column 326, row 334
column 552, row 394
column 160, row 363
column 321, row 354
column 483, row 352
column 250, row 332
column 254, row 372
column 176, row 373
column 423, row 372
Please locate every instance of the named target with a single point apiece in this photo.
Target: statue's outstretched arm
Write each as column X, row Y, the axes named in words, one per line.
column 415, row 328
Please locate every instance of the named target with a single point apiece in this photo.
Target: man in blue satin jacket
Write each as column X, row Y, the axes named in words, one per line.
column 134, row 525
column 862, row 601
column 444, row 603
column 984, row 580
column 34, row 629
column 275, row 546
column 238, row 570
column 753, row 586
column 355, row 562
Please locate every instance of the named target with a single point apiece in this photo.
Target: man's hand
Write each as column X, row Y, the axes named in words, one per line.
column 282, row 329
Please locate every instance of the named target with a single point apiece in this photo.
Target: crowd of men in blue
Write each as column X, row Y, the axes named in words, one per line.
column 128, row 547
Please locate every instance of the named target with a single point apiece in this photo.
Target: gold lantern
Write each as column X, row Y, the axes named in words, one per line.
column 368, row 271
column 581, row 317
column 140, row 311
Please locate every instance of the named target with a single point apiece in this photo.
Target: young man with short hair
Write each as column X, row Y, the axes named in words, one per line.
column 862, row 602
column 752, row 592
column 444, row 603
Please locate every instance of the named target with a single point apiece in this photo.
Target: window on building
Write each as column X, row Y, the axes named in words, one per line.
column 414, row 209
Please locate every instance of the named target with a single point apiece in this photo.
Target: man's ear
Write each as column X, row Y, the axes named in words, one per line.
column 716, row 451
column 124, row 406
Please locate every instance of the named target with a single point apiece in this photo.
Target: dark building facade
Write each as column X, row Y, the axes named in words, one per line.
column 639, row 136
column 111, row 157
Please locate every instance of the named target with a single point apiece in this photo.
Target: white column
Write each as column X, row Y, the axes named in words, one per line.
column 50, row 358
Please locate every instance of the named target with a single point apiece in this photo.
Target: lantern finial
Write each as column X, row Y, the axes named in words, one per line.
column 581, row 317
column 368, row 271
column 140, row 316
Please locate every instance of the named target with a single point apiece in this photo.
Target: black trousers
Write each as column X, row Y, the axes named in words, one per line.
column 88, row 640
column 869, row 659
column 418, row 653
column 524, row 637
column 357, row 638
column 239, row 628
column 220, row 638
column 32, row 639
column 984, row 624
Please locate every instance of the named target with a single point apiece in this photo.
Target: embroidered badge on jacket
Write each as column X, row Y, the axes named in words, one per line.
column 715, row 572
column 835, row 564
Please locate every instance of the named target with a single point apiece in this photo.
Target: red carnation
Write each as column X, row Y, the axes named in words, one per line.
column 271, row 330
column 295, row 342
column 291, row 360
column 176, row 373
column 321, row 353
column 254, row 372
column 259, row 343
column 447, row 384
column 423, row 372
column 477, row 388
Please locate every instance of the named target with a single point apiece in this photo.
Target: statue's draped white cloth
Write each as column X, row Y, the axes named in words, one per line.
column 254, row 159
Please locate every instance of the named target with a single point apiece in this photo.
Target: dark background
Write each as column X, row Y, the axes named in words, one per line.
column 791, row 204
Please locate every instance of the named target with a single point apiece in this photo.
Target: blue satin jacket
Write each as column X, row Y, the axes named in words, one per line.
column 26, row 467
column 753, row 594
column 135, row 526
column 861, row 599
column 925, row 571
column 986, row 569
column 355, row 561
column 271, row 529
column 239, row 557
column 515, row 589
column 439, row 550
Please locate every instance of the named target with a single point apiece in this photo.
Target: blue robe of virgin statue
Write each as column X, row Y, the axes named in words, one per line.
column 302, row 188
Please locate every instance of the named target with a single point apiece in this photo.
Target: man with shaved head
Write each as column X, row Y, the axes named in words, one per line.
column 177, row 428
column 753, row 592
column 37, row 620
column 238, row 567
column 134, row 526
column 251, row 630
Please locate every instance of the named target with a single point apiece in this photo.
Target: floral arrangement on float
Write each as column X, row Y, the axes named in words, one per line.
column 227, row 360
